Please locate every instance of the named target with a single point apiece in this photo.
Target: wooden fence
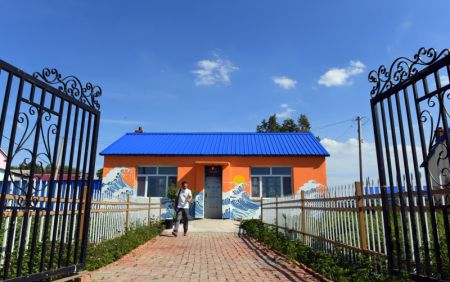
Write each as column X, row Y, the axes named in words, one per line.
column 349, row 217
column 111, row 215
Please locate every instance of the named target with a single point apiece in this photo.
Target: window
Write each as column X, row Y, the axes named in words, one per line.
column 167, row 170
column 255, row 186
column 281, row 171
column 141, row 186
column 156, row 186
column 154, row 181
column 260, row 171
column 147, row 170
column 271, row 186
column 287, row 186
column 271, row 181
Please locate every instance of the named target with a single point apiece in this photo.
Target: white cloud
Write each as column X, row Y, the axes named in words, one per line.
column 211, row 72
column 284, row 82
column 343, row 163
column 405, row 24
column 287, row 111
column 341, row 76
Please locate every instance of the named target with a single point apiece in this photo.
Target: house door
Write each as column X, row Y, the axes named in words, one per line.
column 213, row 192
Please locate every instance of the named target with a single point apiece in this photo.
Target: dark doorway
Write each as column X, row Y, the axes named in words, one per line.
column 213, row 192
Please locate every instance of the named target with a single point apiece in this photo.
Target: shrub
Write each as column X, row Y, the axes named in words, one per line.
column 109, row 251
column 336, row 266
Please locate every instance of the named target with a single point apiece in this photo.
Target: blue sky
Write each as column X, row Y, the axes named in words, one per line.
column 225, row 65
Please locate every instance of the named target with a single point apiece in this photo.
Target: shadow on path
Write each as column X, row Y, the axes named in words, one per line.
column 267, row 259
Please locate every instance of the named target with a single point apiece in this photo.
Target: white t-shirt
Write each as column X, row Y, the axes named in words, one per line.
column 183, row 199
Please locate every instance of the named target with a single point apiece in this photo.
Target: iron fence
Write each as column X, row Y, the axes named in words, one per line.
column 48, row 130
column 349, row 218
column 410, row 118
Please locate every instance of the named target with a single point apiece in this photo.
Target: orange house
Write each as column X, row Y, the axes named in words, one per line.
column 228, row 171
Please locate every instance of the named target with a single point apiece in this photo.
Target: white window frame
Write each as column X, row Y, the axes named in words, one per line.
column 270, row 175
column 157, row 174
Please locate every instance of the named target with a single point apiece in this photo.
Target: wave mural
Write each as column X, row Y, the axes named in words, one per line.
column 167, row 208
column 196, row 210
column 116, row 181
column 237, row 204
column 313, row 187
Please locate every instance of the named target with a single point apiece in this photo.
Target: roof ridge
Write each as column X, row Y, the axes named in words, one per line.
column 217, row 133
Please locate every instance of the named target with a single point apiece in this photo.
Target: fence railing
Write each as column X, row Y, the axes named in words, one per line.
column 349, row 217
column 111, row 215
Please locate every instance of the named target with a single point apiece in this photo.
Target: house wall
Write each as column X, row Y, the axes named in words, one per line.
column 2, row 160
column 120, row 173
column 438, row 167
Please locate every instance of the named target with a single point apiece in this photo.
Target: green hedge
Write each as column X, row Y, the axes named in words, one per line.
column 109, row 251
column 336, row 266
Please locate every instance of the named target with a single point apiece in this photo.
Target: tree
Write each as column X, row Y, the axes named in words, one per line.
column 288, row 126
column 100, row 173
column 273, row 125
column 262, row 127
column 303, row 123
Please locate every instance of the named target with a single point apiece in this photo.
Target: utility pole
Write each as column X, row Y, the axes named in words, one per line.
column 358, row 119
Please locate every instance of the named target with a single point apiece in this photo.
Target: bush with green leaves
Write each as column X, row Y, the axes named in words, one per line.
column 109, row 251
column 336, row 266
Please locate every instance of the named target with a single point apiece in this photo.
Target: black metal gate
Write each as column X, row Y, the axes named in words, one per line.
column 410, row 118
column 48, row 136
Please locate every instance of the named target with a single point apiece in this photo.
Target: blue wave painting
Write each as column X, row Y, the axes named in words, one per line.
column 198, row 206
column 167, row 210
column 195, row 209
column 114, row 183
column 237, row 204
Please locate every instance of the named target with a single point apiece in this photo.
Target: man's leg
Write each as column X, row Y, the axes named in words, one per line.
column 177, row 221
column 185, row 220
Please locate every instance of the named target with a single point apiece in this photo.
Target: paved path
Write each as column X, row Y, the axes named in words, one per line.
column 202, row 256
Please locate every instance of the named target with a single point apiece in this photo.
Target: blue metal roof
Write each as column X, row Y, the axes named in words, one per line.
column 217, row 144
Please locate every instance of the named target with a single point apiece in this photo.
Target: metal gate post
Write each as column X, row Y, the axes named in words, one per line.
column 382, row 175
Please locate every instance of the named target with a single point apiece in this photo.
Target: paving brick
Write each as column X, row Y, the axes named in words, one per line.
column 201, row 257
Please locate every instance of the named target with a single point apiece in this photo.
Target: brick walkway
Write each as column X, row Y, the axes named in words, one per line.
column 201, row 257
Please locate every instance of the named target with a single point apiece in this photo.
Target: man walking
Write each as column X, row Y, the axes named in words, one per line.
column 184, row 197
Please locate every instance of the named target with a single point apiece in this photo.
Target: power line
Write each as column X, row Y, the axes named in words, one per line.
column 333, row 124
column 345, row 132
